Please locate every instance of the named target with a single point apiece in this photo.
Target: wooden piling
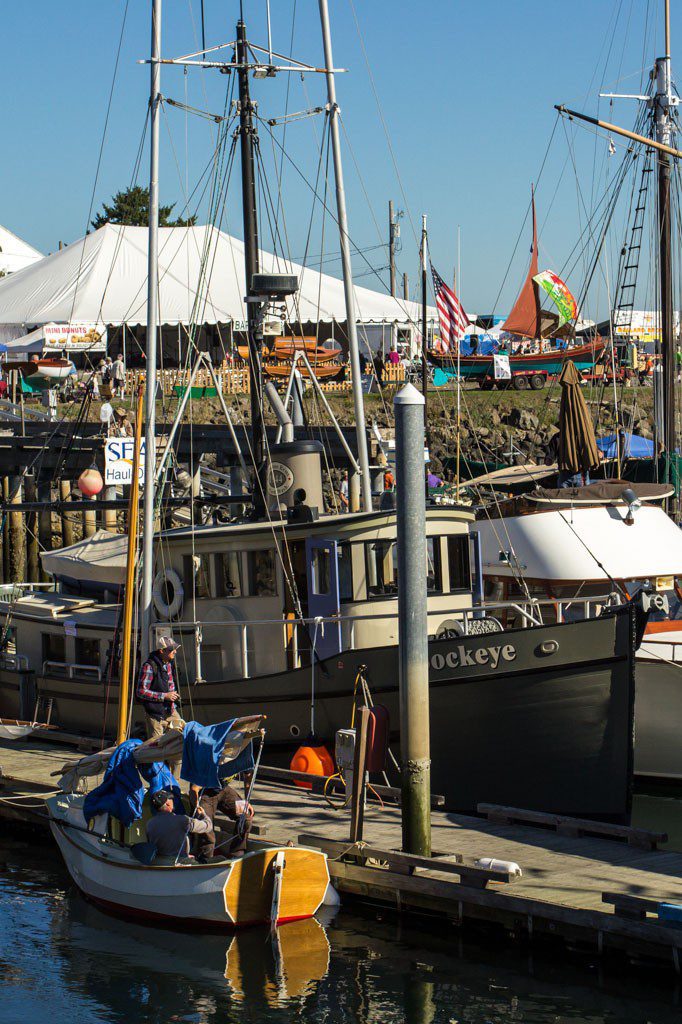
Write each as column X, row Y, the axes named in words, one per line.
column 5, row 532
column 45, row 521
column 89, row 523
column 32, row 548
column 17, row 534
column 109, row 521
column 67, row 523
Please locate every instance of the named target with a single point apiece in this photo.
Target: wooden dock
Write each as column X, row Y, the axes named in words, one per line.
column 597, row 893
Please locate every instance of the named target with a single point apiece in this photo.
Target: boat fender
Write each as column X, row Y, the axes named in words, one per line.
column 493, row 864
column 331, row 897
column 168, row 581
column 313, row 758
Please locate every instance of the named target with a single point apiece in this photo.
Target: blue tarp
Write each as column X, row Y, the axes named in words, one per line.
column 632, row 446
column 202, row 748
column 122, row 791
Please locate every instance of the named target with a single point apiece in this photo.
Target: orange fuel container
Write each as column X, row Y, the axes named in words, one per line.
column 314, row 761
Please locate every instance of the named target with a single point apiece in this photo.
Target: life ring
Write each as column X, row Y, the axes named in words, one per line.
column 165, row 580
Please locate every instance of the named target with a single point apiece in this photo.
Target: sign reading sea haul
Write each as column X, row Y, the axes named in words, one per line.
column 77, row 336
column 118, row 461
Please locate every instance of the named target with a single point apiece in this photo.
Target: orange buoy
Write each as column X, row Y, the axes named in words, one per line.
column 90, row 482
column 313, row 759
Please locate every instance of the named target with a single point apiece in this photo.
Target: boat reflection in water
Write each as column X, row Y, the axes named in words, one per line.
column 63, row 959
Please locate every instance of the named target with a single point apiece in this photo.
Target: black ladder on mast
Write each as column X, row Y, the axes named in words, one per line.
column 628, row 265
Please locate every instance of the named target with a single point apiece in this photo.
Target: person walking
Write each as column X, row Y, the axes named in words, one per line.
column 118, row 374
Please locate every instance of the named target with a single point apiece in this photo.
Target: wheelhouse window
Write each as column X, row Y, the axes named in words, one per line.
column 54, row 647
column 434, row 576
column 197, row 573
column 459, row 564
column 230, row 574
column 321, row 572
column 87, row 652
column 381, row 566
column 261, row 573
column 345, row 564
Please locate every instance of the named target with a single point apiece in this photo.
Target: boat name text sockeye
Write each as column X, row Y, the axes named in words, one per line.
column 460, row 657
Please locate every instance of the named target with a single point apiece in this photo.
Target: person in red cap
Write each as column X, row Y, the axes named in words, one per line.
column 156, row 689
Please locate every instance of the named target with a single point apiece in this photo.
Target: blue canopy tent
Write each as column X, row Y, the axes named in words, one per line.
column 632, row 446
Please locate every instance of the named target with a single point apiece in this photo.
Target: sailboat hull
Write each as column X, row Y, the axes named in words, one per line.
column 539, row 718
column 584, row 357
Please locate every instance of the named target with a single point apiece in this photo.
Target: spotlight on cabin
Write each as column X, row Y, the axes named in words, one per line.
column 632, row 502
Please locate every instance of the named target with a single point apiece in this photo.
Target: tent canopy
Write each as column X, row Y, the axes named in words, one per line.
column 103, row 277
column 15, row 253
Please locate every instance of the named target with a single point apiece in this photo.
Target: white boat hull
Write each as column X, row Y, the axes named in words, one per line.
column 230, row 894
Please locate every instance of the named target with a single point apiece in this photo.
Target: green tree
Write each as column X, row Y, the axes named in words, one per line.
column 132, row 207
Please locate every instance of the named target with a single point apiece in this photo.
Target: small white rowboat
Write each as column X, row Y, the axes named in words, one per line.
column 13, row 729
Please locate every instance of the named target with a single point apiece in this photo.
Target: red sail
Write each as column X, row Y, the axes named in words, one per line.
column 524, row 318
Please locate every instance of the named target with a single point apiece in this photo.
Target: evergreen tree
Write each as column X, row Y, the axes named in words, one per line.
column 131, row 206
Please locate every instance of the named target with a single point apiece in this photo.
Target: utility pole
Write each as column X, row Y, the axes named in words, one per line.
column 155, row 99
column 406, row 287
column 353, row 344
column 413, row 640
column 248, row 139
column 391, row 244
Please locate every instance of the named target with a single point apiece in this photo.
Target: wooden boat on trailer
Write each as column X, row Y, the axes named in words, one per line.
column 325, row 371
column 552, row 360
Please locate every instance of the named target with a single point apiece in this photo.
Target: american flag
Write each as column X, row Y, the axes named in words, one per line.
column 453, row 319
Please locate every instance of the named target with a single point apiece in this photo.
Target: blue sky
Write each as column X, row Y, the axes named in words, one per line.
column 466, row 92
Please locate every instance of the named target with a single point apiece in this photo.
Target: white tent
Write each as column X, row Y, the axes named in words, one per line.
column 15, row 254
column 103, row 277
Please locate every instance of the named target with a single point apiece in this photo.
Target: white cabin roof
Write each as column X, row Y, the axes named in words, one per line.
column 582, row 544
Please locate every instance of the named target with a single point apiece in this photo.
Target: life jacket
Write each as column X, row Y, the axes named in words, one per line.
column 161, row 684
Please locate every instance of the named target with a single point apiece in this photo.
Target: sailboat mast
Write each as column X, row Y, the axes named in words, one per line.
column 247, row 143
column 425, row 364
column 664, row 134
column 353, row 345
column 152, row 332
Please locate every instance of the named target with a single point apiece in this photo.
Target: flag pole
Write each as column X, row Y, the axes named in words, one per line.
column 459, row 379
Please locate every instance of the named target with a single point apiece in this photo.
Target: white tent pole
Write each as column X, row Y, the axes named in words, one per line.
column 152, row 331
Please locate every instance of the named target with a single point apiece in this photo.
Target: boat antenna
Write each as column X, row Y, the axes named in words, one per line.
column 155, row 100
column 248, row 139
column 353, row 344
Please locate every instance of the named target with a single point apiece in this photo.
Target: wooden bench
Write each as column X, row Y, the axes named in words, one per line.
column 408, row 863
column 567, row 826
column 634, row 907
column 318, row 783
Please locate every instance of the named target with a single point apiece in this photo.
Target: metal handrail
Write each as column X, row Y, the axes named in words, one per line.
column 71, row 671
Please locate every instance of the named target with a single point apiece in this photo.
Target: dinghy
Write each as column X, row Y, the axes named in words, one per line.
column 114, row 867
column 14, row 729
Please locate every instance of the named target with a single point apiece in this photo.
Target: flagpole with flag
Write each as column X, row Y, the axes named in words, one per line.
column 453, row 322
column 459, row 376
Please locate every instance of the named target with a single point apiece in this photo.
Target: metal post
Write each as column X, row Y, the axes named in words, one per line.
column 664, row 135
column 412, row 622
column 297, row 398
column 391, row 244
column 152, row 331
column 353, row 345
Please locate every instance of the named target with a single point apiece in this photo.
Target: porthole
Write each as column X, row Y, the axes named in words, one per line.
column 294, row 730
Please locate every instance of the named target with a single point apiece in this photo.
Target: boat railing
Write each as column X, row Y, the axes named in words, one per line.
column 529, row 613
column 69, row 671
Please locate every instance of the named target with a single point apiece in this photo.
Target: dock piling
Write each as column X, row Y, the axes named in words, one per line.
column 45, row 520
column 67, row 523
column 413, row 622
column 17, row 536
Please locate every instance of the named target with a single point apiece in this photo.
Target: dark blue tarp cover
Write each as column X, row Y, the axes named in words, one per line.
column 202, row 747
column 632, row 446
column 122, row 791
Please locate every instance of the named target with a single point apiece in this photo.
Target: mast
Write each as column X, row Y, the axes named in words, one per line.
column 353, row 345
column 247, row 142
column 664, row 131
column 152, row 332
column 525, row 318
column 391, row 244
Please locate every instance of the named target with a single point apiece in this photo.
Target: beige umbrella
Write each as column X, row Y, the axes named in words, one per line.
column 578, row 452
